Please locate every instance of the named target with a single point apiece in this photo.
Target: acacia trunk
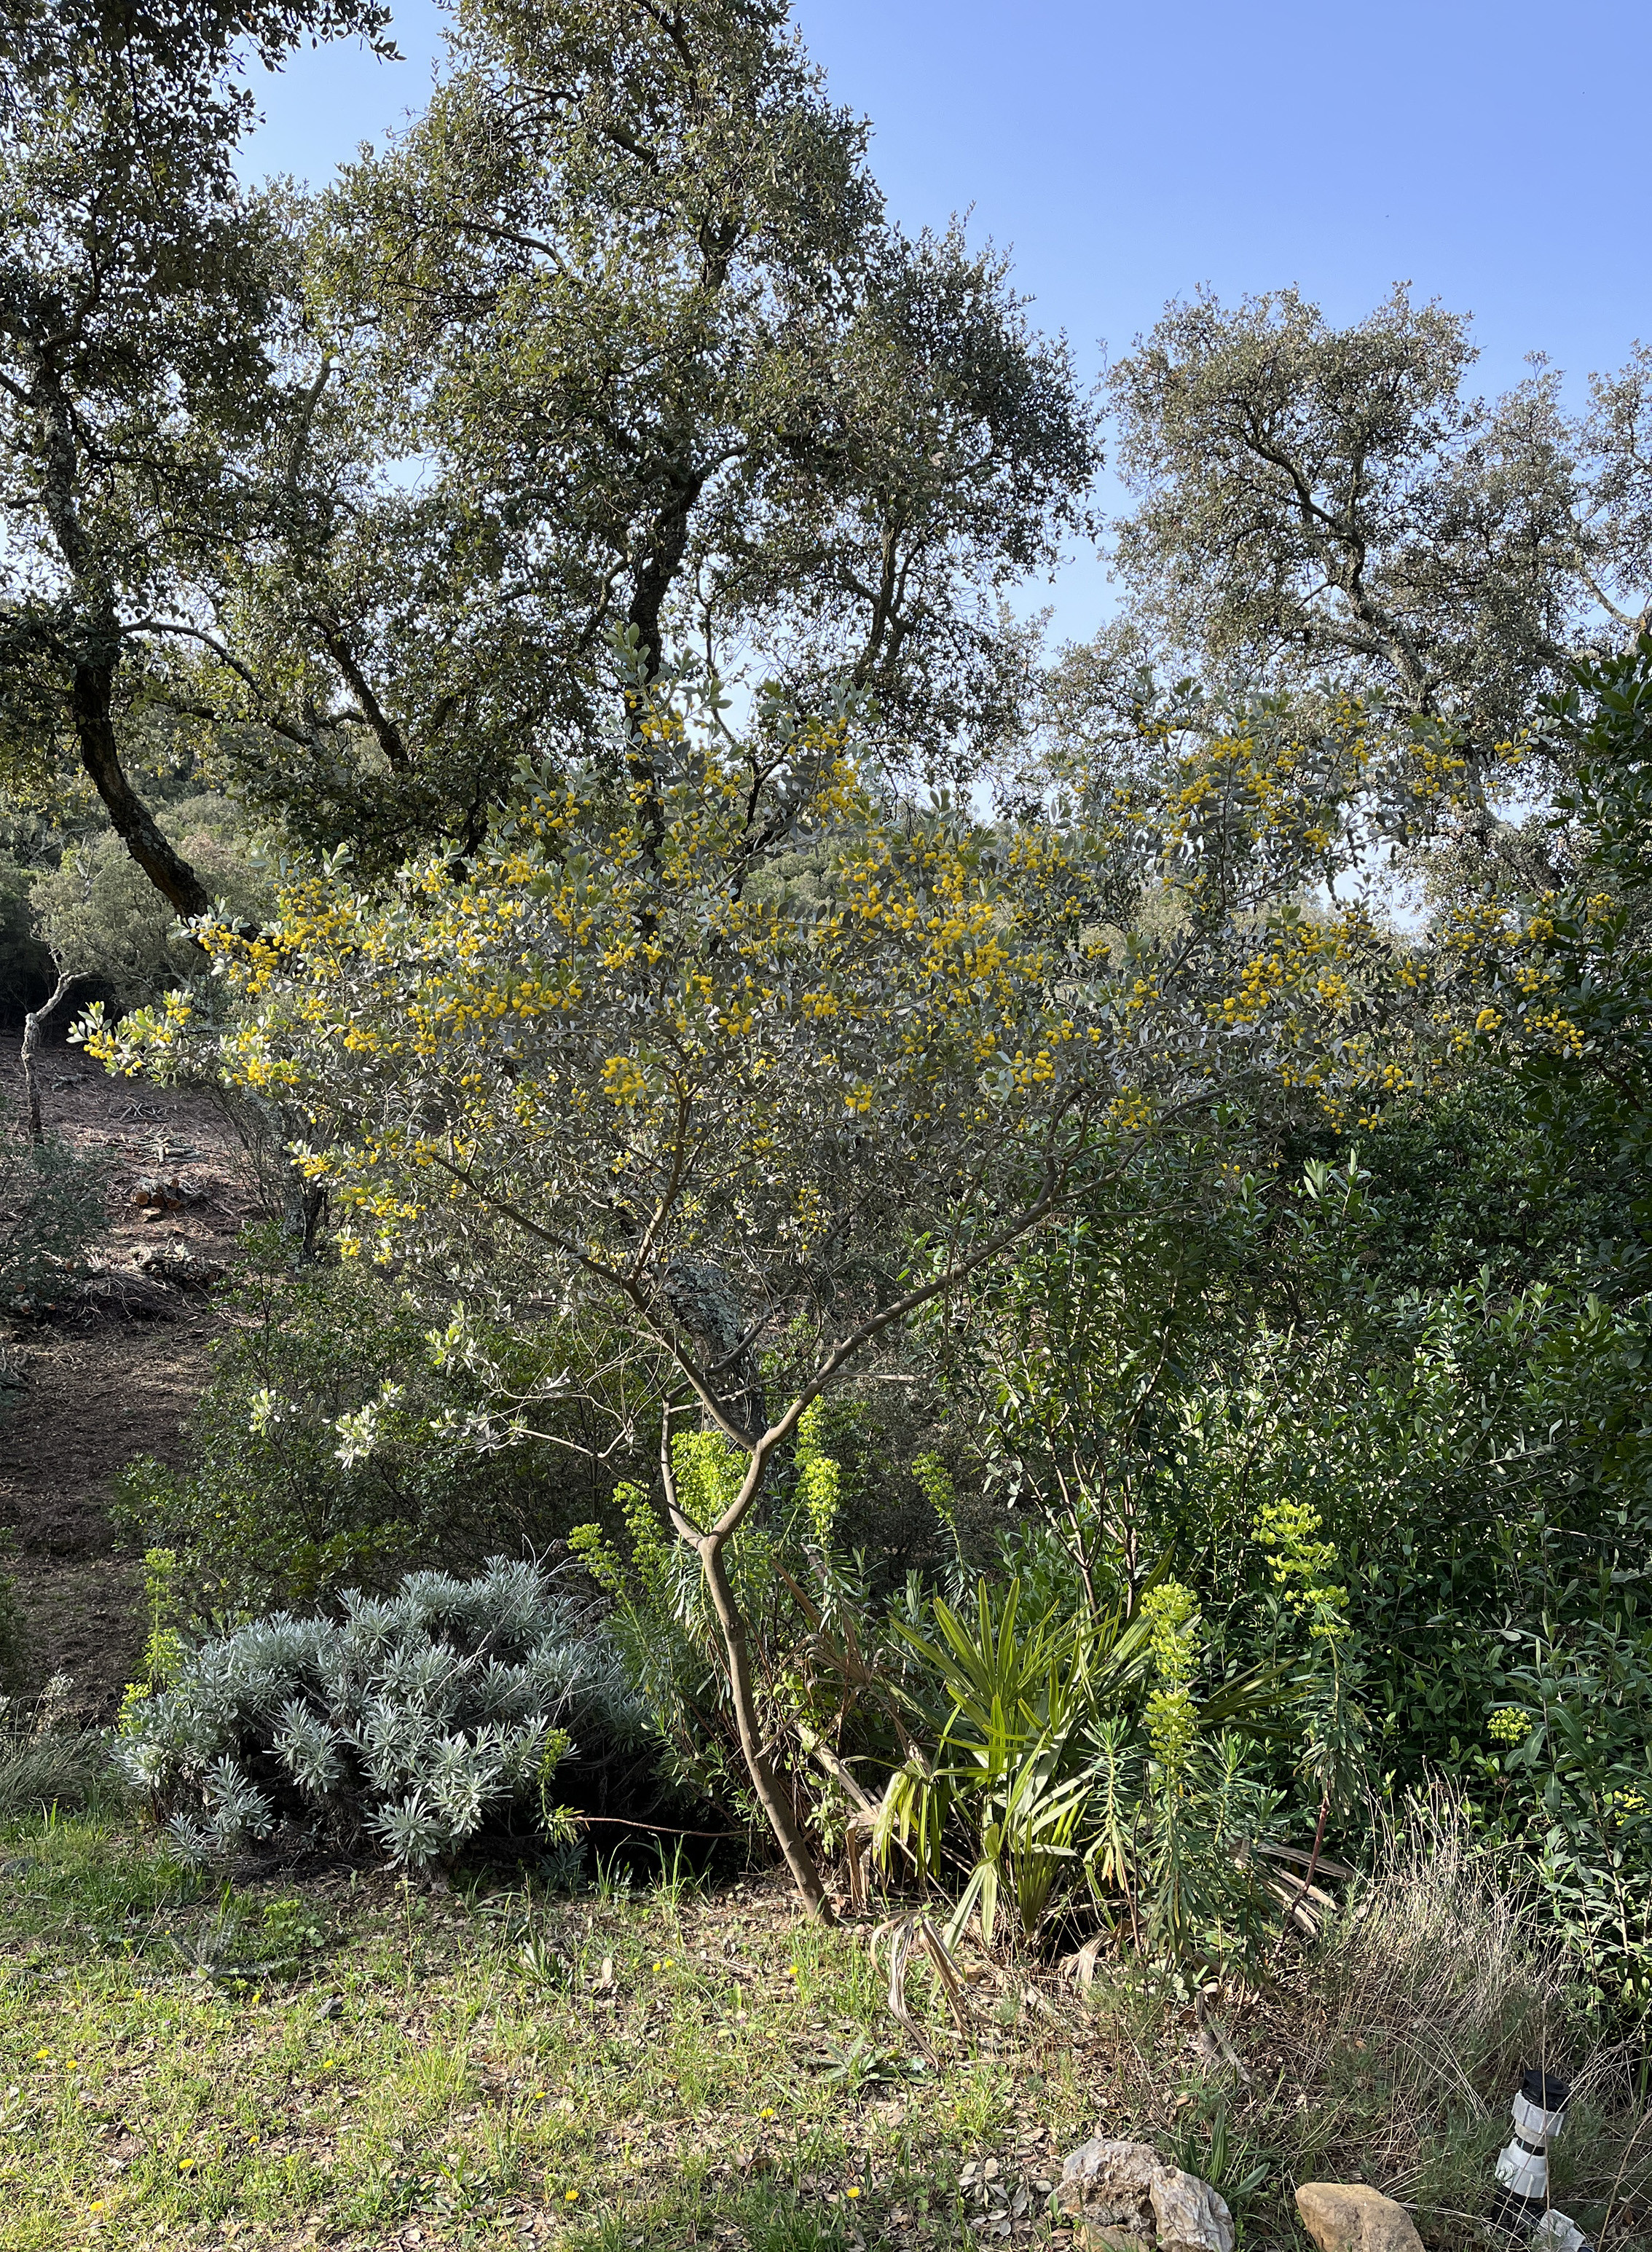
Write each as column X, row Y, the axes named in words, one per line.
column 773, row 1800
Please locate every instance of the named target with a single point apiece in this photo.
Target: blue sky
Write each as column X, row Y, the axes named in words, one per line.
column 1495, row 156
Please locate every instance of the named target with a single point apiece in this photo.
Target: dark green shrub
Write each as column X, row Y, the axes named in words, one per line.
column 26, row 970
column 336, row 1443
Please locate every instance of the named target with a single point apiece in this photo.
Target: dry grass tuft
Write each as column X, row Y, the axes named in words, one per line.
column 1400, row 2039
column 47, row 1759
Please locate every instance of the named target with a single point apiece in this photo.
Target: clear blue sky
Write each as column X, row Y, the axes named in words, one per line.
column 1493, row 156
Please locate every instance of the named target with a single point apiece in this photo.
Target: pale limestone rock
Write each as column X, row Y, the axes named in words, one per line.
column 1349, row 2217
column 1109, row 2185
column 1190, row 2216
column 1126, row 2201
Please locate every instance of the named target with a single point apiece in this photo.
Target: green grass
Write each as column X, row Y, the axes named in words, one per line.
column 346, row 2060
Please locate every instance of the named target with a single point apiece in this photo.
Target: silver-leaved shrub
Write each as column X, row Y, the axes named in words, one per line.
column 415, row 1719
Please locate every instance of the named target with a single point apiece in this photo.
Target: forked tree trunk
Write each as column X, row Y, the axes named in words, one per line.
column 67, row 980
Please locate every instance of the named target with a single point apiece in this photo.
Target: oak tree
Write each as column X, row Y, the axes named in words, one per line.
column 137, row 283
column 1320, row 504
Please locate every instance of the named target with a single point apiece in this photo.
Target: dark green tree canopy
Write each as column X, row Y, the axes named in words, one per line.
column 138, row 295
column 617, row 340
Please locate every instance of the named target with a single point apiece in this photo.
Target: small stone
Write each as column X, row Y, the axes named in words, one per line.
column 1350, row 2217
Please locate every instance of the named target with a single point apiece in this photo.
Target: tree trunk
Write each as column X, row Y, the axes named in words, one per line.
column 31, row 1024
column 304, row 1211
column 773, row 1800
column 91, row 702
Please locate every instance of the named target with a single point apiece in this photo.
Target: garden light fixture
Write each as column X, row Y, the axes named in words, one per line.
column 1522, row 2201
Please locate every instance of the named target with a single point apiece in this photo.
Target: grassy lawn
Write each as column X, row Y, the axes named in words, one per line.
column 328, row 2055
column 357, row 2062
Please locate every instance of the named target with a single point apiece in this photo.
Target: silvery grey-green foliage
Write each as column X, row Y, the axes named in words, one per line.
column 1320, row 505
column 416, row 1719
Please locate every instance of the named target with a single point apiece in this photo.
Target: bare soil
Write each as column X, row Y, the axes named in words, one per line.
column 107, row 1379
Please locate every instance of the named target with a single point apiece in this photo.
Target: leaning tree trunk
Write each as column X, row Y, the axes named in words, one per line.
column 92, row 703
column 793, row 1844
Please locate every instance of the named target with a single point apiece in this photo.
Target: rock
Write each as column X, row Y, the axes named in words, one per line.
column 1108, row 2185
column 1124, row 2197
column 1349, row 2217
column 1191, row 2217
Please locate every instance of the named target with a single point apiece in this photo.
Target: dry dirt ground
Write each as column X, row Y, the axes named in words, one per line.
column 106, row 1382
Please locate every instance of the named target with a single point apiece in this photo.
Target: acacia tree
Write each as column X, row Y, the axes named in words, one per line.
column 713, row 1038
column 1554, row 981
column 136, row 287
column 1320, row 504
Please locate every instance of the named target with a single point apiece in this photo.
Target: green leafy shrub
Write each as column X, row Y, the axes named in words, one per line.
column 1564, row 1772
column 51, row 1207
column 662, row 1620
column 1411, row 1492
column 1070, row 1760
column 1085, row 1758
column 101, row 915
column 338, row 1440
column 417, row 1721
